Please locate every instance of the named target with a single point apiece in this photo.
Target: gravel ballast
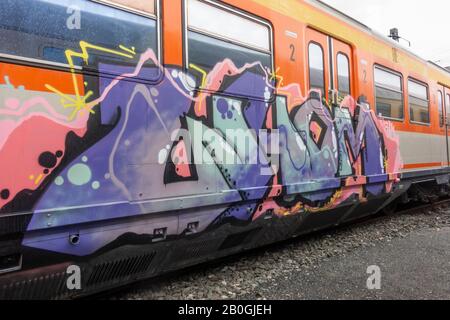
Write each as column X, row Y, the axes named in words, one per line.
column 248, row 276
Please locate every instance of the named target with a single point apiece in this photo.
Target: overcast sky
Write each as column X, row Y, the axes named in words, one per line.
column 425, row 23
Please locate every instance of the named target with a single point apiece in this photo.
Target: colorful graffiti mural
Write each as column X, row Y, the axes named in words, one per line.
column 83, row 148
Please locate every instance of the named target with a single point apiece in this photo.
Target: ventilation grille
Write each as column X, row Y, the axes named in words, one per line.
column 237, row 239
column 14, row 224
column 45, row 287
column 191, row 252
column 120, row 269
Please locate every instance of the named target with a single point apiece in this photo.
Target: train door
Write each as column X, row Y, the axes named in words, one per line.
column 342, row 68
column 443, row 101
column 446, row 98
column 319, row 63
column 330, row 65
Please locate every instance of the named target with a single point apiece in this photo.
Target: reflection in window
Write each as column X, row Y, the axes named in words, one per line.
column 343, row 74
column 38, row 29
column 384, row 108
column 220, row 22
column 316, row 68
column 441, row 108
column 389, row 94
column 419, row 108
column 206, row 52
column 215, row 34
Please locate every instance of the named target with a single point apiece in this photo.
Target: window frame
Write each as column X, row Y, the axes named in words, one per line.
column 323, row 64
column 442, row 116
column 78, row 69
column 411, row 79
column 111, row 3
column 396, row 73
column 233, row 10
column 447, row 107
column 349, row 71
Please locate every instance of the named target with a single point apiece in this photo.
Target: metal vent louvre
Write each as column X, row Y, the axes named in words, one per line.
column 51, row 286
column 120, row 269
column 14, row 224
column 191, row 252
column 237, row 239
column 201, row 249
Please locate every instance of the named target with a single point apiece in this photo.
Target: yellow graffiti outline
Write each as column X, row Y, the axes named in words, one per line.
column 204, row 76
column 275, row 76
column 329, row 205
column 36, row 180
column 79, row 103
column 203, row 73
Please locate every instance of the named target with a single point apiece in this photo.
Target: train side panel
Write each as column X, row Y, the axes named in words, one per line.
column 156, row 142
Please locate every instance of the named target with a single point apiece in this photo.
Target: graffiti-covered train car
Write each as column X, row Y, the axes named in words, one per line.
column 139, row 137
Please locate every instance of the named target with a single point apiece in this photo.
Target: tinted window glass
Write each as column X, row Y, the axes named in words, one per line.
column 215, row 21
column 343, row 74
column 389, row 104
column 316, row 68
column 389, row 94
column 206, row 52
column 388, row 79
column 418, row 103
column 45, row 29
column 216, row 34
column 417, row 90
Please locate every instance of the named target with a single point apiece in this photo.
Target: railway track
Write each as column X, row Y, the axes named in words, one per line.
column 210, row 268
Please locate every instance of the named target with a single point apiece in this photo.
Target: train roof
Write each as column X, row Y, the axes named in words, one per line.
column 363, row 27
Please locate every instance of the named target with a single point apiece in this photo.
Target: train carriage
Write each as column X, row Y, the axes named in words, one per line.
column 139, row 137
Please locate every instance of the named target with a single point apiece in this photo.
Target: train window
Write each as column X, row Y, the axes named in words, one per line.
column 216, row 33
column 441, row 109
column 389, row 94
column 343, row 67
column 419, row 108
column 44, row 30
column 316, row 67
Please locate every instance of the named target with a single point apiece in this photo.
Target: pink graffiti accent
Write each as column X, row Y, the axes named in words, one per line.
column 181, row 160
column 14, row 108
column 18, row 111
column 227, row 67
column 316, row 131
column 12, row 103
column 39, row 134
column 394, row 162
column 264, row 207
column 270, row 204
column 6, row 127
column 392, row 141
column 215, row 79
column 294, row 95
column 24, row 135
column 269, row 119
